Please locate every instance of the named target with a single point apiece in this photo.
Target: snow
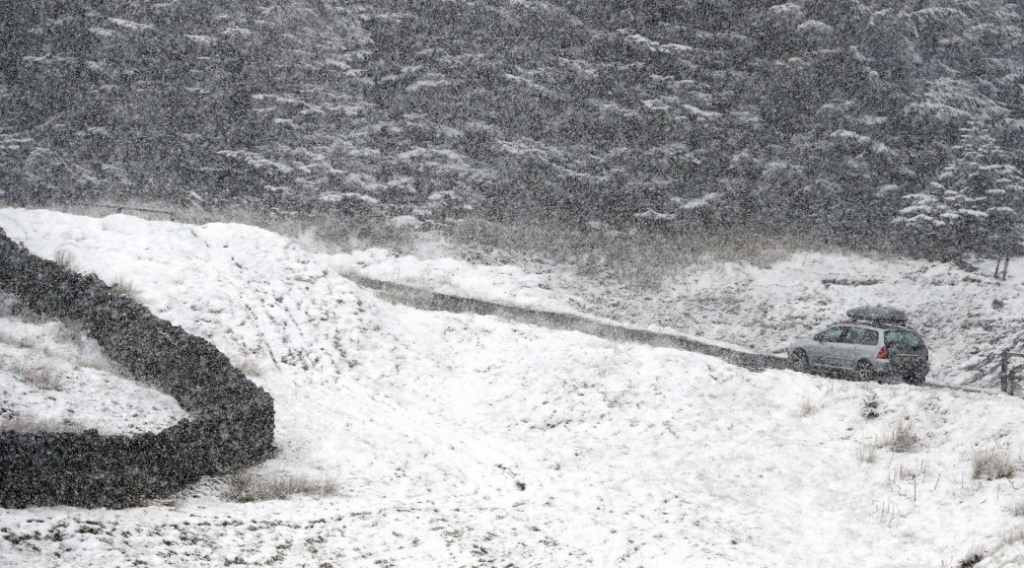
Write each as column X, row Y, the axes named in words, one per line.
column 759, row 308
column 130, row 25
column 459, row 439
column 71, row 385
column 697, row 203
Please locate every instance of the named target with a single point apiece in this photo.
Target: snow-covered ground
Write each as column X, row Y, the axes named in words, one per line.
column 464, row 440
column 967, row 318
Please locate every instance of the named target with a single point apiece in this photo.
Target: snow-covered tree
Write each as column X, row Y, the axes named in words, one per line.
column 975, row 203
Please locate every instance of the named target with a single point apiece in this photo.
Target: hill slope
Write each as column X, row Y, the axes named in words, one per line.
column 466, row 440
column 671, row 114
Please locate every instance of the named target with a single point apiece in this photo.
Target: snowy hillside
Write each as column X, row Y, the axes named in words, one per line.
column 967, row 318
column 463, row 440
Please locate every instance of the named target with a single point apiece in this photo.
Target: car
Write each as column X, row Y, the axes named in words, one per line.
column 874, row 344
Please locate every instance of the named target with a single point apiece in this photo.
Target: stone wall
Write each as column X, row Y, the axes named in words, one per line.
column 427, row 300
column 230, row 423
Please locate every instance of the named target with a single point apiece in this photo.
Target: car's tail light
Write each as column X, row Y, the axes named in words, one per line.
column 883, row 353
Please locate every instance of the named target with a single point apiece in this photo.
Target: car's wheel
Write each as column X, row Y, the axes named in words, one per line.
column 914, row 379
column 864, row 371
column 800, row 362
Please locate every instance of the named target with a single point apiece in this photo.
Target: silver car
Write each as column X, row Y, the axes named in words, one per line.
column 874, row 345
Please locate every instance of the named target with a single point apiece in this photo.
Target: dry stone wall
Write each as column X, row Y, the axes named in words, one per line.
column 230, row 423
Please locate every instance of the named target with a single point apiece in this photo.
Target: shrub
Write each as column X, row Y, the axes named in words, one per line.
column 869, row 406
column 994, row 464
column 247, row 487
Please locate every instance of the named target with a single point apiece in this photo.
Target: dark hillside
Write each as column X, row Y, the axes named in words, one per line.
column 833, row 116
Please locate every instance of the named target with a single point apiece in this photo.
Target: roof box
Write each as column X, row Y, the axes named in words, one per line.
column 878, row 314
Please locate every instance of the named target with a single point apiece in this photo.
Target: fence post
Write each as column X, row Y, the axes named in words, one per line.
column 1007, row 376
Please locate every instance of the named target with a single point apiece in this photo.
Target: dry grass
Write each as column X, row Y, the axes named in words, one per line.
column 10, row 305
column 1017, row 509
column 249, row 367
column 867, row 454
column 29, row 316
column 91, row 355
column 65, row 258
column 39, row 375
column 1014, row 535
column 36, row 425
column 124, row 286
column 806, row 408
column 994, row 464
column 247, row 487
column 70, row 331
column 15, row 341
column 910, row 471
column 975, row 555
column 901, row 438
column 639, row 258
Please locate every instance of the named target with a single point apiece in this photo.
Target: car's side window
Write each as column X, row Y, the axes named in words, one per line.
column 832, row 334
column 861, row 336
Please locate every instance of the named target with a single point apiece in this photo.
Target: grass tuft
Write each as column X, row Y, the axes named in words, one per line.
column 806, row 408
column 994, row 464
column 247, row 487
column 39, row 375
column 65, row 258
column 1013, row 535
column 975, row 555
column 901, row 438
column 867, row 454
column 124, row 286
column 1017, row 509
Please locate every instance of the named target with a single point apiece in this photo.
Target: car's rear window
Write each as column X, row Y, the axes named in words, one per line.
column 901, row 338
